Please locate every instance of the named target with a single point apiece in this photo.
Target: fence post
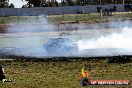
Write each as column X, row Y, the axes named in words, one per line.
column 101, row 8
column 3, row 17
column 63, row 13
column 18, row 15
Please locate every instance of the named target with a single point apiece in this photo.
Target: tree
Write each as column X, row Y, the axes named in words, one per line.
column 128, row 1
column 24, row 6
column 52, row 3
column 4, row 3
column 29, row 4
column 68, row 2
column 87, row 2
column 56, row 3
column 41, row 3
column 11, row 5
column 80, row 2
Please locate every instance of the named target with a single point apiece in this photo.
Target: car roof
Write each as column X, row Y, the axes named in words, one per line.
column 60, row 38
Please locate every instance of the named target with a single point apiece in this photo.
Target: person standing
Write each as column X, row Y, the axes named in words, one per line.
column 2, row 76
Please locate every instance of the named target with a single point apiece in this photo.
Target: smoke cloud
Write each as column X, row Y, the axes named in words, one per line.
column 121, row 40
column 90, row 43
column 115, row 40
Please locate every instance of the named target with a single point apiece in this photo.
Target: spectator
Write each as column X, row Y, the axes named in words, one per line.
column 2, row 76
column 98, row 9
column 114, row 8
column 82, row 12
column 127, row 7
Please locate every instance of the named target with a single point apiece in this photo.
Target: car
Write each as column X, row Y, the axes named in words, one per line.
column 60, row 47
column 64, row 34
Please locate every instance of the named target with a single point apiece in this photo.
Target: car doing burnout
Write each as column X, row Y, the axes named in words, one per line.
column 60, row 46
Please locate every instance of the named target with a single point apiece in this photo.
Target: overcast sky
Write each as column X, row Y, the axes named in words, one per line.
column 19, row 3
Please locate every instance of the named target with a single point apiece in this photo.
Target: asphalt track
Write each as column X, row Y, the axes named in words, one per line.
column 39, row 52
column 30, row 43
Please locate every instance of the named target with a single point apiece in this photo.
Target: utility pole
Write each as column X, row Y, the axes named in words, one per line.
column 3, row 17
column 62, row 1
column 123, row 2
column 84, row 3
column 18, row 15
column 100, row 10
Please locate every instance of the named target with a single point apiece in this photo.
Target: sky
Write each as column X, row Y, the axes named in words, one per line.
column 19, row 3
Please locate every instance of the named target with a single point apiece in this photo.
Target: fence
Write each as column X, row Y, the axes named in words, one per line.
column 56, row 10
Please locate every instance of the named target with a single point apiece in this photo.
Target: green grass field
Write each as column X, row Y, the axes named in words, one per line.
column 62, row 74
column 91, row 17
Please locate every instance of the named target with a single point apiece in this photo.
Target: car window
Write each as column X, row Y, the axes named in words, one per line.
column 60, row 40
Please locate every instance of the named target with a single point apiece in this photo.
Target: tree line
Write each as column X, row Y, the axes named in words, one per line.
column 55, row 3
column 5, row 4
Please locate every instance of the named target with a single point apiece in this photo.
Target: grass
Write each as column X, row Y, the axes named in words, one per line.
column 62, row 74
column 92, row 17
column 76, row 18
column 89, row 17
column 16, row 19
